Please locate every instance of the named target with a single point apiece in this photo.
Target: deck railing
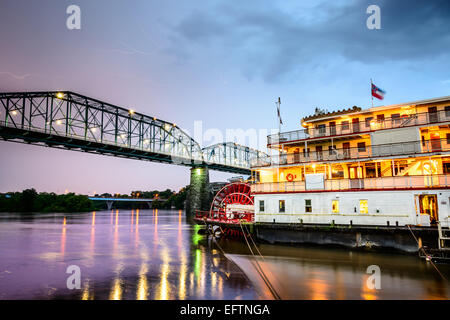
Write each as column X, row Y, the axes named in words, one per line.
column 361, row 126
column 396, row 182
column 218, row 216
column 384, row 150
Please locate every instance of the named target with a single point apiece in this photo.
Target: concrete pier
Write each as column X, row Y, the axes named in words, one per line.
column 198, row 197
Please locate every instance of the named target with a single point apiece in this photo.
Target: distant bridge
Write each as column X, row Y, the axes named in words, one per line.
column 110, row 201
column 72, row 121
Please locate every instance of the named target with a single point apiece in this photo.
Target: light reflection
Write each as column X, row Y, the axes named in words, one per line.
column 164, row 289
column 142, row 290
column 196, row 237
column 340, row 285
column 85, row 295
column 116, row 233
column 318, row 289
column 137, row 219
column 220, row 288
column 136, row 236
column 366, row 292
column 155, row 217
column 182, row 281
column 116, row 290
column 93, row 233
column 63, row 238
column 180, row 236
column 213, row 282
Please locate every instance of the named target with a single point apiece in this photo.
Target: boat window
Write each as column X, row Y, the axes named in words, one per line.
column 363, row 206
column 282, row 206
column 447, row 111
column 261, row 205
column 335, row 206
column 361, row 147
column 332, row 150
column 308, row 205
column 345, row 125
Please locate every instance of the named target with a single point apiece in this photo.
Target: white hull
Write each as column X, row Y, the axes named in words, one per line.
column 383, row 207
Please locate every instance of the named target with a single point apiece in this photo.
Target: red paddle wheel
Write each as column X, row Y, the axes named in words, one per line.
column 232, row 205
column 233, row 202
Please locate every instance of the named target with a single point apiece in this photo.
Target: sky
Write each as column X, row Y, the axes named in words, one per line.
column 223, row 63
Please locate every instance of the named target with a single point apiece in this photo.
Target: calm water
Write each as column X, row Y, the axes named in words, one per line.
column 155, row 254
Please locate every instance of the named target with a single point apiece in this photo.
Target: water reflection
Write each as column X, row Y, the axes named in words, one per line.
column 156, row 254
column 320, row 273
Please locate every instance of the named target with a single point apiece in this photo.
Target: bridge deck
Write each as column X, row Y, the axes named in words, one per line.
column 124, row 199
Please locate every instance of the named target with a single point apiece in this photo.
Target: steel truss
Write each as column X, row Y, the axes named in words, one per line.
column 72, row 121
column 232, row 154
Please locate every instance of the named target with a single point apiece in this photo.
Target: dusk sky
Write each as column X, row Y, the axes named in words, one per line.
column 220, row 62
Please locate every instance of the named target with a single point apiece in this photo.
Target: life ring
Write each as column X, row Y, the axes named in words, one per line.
column 290, row 177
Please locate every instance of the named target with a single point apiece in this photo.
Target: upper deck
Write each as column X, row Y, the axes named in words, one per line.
column 354, row 122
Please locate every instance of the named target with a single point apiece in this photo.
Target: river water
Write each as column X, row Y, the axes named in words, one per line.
column 156, row 254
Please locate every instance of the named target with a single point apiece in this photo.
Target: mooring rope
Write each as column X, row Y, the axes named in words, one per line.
column 254, row 244
column 260, row 270
column 425, row 253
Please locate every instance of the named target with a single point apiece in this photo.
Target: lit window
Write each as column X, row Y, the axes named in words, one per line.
column 282, row 206
column 261, row 205
column 308, row 205
column 335, row 206
column 363, row 206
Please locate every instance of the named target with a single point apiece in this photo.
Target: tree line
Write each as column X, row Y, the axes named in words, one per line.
column 30, row 200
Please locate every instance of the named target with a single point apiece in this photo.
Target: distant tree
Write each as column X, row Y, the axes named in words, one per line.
column 27, row 200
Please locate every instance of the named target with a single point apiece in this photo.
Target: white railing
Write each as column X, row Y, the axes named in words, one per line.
column 393, row 149
column 361, row 126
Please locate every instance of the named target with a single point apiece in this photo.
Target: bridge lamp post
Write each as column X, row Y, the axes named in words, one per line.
column 60, row 95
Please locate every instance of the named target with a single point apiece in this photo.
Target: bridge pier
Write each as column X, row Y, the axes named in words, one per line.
column 198, row 195
column 109, row 204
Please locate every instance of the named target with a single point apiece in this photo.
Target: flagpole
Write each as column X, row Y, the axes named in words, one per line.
column 279, row 137
column 371, row 93
column 278, row 103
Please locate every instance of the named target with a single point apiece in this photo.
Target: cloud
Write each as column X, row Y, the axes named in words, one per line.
column 275, row 41
column 16, row 76
column 129, row 50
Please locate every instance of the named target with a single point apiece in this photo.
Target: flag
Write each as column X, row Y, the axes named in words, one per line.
column 377, row 92
column 278, row 110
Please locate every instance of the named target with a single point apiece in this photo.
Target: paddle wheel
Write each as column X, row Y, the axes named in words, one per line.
column 231, row 206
